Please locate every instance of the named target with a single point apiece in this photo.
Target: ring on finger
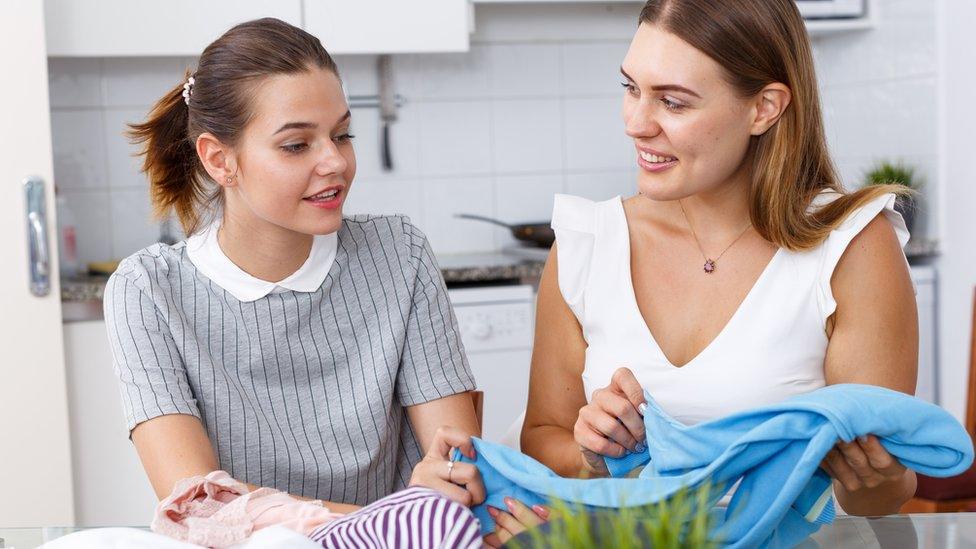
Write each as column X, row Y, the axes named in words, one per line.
column 450, row 470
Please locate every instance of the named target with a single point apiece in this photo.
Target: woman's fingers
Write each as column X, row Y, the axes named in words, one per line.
column 452, row 491
column 467, row 475
column 461, row 481
column 608, row 426
column 842, row 471
column 863, row 463
column 825, row 465
column 506, row 525
column 625, row 382
column 859, row 462
column 622, row 415
column 504, row 535
column 447, row 438
column 879, row 458
column 492, row 540
column 593, row 441
column 526, row 516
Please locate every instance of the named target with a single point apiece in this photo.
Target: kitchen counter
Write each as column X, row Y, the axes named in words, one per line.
column 81, row 296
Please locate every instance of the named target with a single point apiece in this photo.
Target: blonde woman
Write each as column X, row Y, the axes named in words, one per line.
column 741, row 274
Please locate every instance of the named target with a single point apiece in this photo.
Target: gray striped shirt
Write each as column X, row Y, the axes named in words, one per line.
column 303, row 392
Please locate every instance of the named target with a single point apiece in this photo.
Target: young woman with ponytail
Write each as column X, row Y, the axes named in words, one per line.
column 741, row 274
column 281, row 342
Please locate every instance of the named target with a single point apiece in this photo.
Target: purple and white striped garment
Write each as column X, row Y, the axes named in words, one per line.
column 414, row 518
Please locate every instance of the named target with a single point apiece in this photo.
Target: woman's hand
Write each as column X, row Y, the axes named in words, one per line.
column 612, row 423
column 862, row 464
column 457, row 480
column 518, row 519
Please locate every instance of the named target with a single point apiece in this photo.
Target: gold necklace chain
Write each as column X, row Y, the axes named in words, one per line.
column 710, row 264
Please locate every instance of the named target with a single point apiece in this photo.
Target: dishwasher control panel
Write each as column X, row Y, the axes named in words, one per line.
column 494, row 318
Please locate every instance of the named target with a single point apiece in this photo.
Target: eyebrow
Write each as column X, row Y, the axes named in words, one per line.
column 310, row 125
column 664, row 87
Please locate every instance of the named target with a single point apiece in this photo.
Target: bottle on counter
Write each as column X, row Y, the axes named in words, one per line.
column 67, row 237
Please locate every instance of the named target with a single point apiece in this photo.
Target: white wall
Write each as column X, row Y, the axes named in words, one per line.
column 957, row 264
column 531, row 110
column 879, row 95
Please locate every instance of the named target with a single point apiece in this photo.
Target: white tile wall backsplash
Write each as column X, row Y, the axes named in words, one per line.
column 75, row 82
column 445, row 197
column 528, row 135
column 527, row 198
column 445, row 75
column 532, row 109
column 404, row 140
column 595, row 138
column 888, row 116
column 387, row 196
column 519, row 70
column 123, row 164
column 455, row 138
column 593, row 68
column 131, row 210
column 359, row 75
column 79, row 149
column 138, row 82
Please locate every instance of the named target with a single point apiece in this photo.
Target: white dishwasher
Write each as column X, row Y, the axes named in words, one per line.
column 496, row 325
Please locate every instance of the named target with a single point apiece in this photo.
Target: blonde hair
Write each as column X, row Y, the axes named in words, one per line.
column 759, row 42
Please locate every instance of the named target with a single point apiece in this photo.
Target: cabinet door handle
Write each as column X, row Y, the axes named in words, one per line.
column 38, row 253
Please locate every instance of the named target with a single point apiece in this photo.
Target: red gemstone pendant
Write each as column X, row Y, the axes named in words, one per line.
column 709, row 266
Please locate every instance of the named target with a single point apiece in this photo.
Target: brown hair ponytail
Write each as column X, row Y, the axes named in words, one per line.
column 759, row 42
column 219, row 103
column 170, row 160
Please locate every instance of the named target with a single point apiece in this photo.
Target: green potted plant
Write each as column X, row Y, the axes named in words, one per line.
column 898, row 173
column 681, row 522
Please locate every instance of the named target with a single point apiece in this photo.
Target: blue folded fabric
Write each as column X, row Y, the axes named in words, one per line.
column 773, row 452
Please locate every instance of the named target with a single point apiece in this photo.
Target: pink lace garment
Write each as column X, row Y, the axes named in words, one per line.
column 218, row 511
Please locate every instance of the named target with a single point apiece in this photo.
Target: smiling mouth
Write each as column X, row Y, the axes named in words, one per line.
column 326, row 195
column 655, row 159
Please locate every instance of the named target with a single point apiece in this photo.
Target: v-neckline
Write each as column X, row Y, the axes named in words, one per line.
column 639, row 316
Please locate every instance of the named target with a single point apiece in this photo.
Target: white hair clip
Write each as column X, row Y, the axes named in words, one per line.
column 187, row 90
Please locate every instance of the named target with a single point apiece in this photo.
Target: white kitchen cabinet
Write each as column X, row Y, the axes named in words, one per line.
column 129, row 28
column 124, row 28
column 389, row 26
column 110, row 485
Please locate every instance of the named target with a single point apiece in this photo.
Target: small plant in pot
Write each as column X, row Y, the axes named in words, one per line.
column 683, row 521
column 897, row 173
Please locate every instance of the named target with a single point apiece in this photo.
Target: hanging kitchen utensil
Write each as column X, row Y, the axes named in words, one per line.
column 388, row 108
column 537, row 234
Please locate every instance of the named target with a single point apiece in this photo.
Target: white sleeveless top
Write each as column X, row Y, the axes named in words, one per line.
column 772, row 348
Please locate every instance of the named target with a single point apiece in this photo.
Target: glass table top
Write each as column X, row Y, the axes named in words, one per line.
column 929, row 531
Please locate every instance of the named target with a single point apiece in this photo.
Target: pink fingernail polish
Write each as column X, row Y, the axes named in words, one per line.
column 510, row 503
column 492, row 511
column 541, row 511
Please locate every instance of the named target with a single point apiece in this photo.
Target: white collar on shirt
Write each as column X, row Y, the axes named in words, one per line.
column 204, row 251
